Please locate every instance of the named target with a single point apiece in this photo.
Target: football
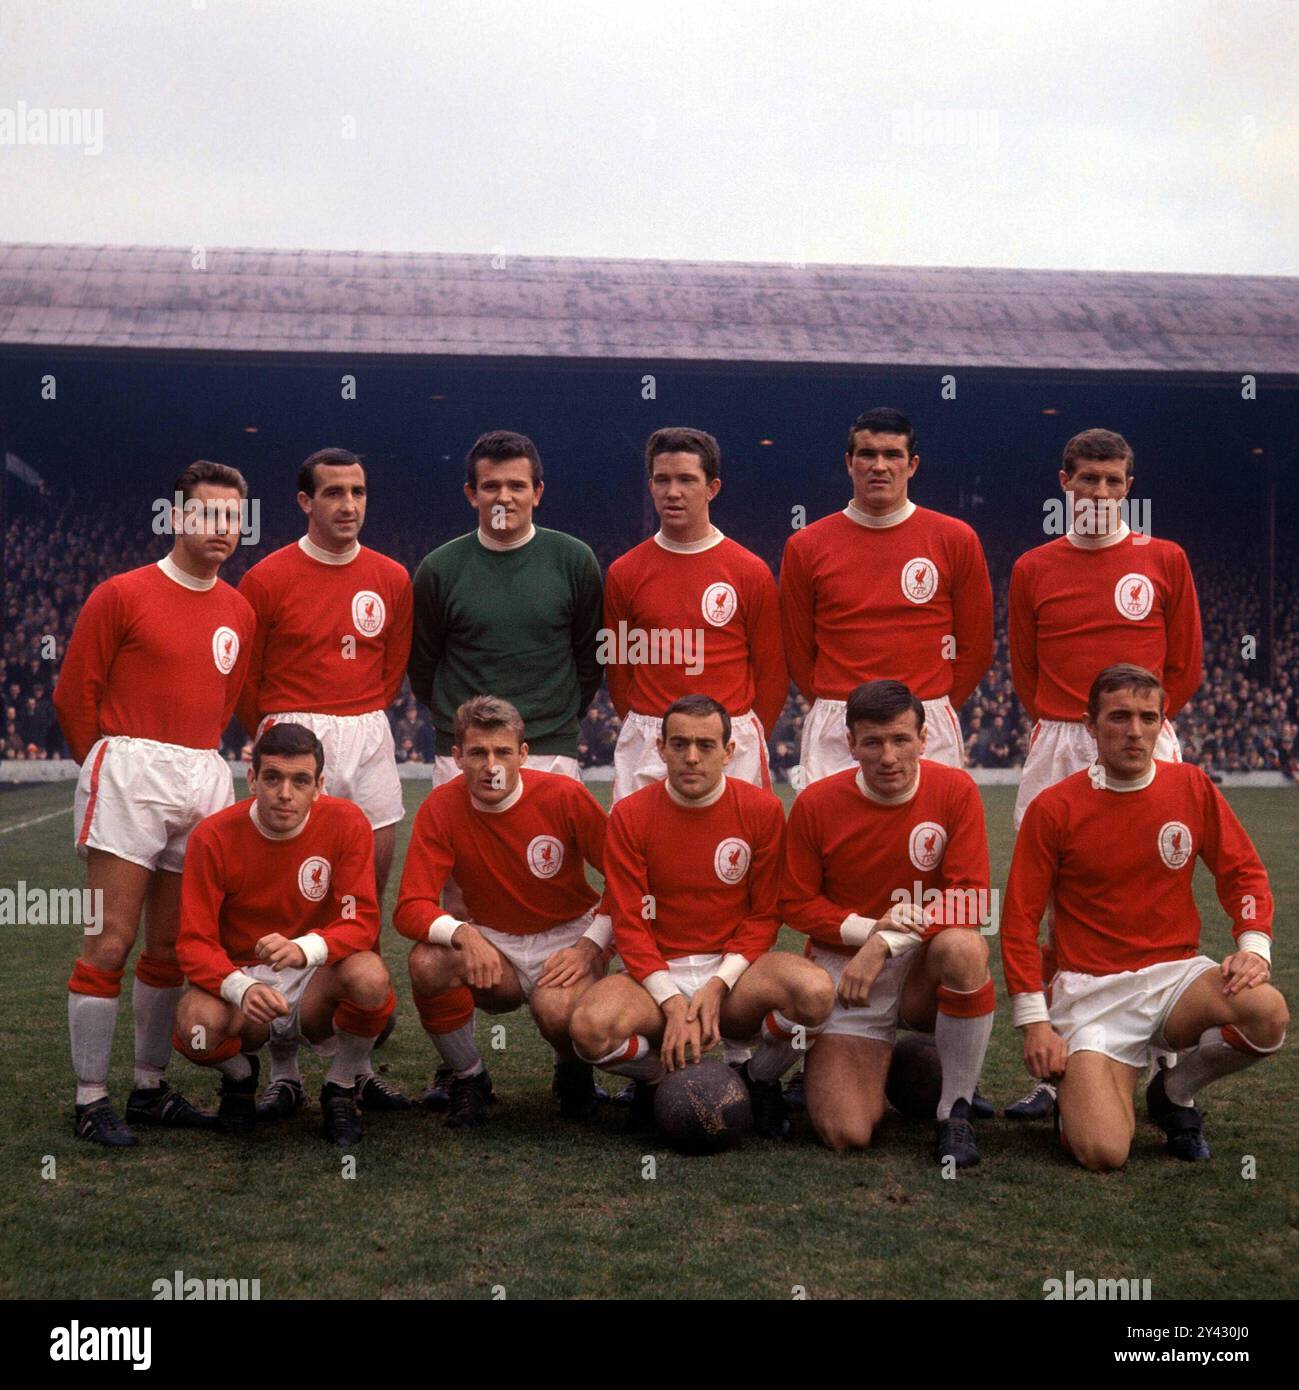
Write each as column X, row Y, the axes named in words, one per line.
column 703, row 1108
column 915, row 1078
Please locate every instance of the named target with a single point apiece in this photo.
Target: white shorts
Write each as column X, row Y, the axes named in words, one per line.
column 824, row 748
column 1061, row 747
column 528, row 954
column 292, row 983
column 637, row 763
column 139, row 799
column 445, row 769
column 1122, row 1016
column 360, row 760
column 877, row 1019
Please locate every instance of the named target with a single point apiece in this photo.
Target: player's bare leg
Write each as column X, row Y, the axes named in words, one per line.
column 1097, row 1116
column 213, row 1033
column 553, row 1007
column 844, row 1084
column 618, row 1027
column 385, row 842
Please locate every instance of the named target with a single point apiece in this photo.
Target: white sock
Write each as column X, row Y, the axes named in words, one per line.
column 155, row 1017
column 777, row 1051
column 961, row 1045
column 91, row 1021
column 1219, row 1052
column 734, row 1053
column 237, row 1068
column 634, row 1058
column 351, row 1059
column 284, row 1062
column 458, row 1050
column 1169, row 1060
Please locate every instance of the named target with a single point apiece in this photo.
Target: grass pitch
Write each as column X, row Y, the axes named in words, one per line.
column 530, row 1208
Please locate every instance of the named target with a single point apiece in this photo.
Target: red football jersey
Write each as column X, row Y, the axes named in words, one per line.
column 240, row 885
column 693, row 880
column 522, row 870
column 910, row 602
column 1075, row 610
column 1121, row 865
column 846, row 853
column 153, row 658
column 331, row 638
column 725, row 594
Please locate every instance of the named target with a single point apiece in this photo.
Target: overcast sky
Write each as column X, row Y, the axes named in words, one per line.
column 1141, row 135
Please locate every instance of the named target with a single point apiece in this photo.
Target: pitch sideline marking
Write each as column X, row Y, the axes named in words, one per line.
column 27, row 824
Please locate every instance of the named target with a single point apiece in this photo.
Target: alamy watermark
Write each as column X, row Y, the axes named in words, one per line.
column 58, row 125
column 199, row 517
column 22, row 906
column 1090, row 516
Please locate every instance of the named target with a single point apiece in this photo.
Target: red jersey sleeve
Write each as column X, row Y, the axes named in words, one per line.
column 396, row 651
column 1023, row 641
column 590, row 828
column 428, row 865
column 802, row 904
column 767, row 648
column 628, row 896
column 356, row 928
column 248, row 706
column 1184, row 652
column 199, row 952
column 615, row 610
column 797, row 616
column 1239, row 876
column 966, row 875
column 972, row 618
column 1028, row 889
column 756, row 933
column 83, row 676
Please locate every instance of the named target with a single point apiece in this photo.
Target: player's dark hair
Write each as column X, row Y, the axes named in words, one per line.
column 1098, row 446
column 205, row 471
column 681, row 439
column 339, row 458
column 1122, row 676
column 698, row 707
column 288, row 740
column 880, row 702
column 499, row 446
column 486, row 712
column 883, row 420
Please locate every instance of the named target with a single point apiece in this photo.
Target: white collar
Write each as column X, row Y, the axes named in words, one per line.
column 329, row 557
column 854, row 513
column 275, row 834
column 511, row 800
column 187, row 581
column 491, row 543
column 1129, row 784
column 689, row 547
column 1098, row 542
column 879, row 800
column 697, row 803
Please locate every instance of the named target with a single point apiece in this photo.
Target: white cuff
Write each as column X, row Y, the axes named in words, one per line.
column 600, row 931
column 1257, row 941
column 442, row 929
column 314, row 947
column 235, row 985
column 732, row 967
column 1028, row 1008
column 854, row 929
column 899, row 942
column 660, row 986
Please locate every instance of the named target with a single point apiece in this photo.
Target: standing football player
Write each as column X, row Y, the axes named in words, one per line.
column 692, row 872
column 280, row 921
column 1078, row 604
column 886, row 870
column 690, row 611
column 1115, row 846
column 147, row 687
column 333, row 639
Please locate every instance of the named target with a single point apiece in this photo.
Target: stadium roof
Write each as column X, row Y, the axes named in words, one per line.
column 125, row 299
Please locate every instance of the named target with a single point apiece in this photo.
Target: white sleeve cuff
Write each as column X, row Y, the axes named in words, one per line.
column 732, row 967
column 1028, row 1008
column 600, row 931
column 660, row 986
column 314, row 947
column 235, row 985
column 899, row 942
column 854, row 929
column 442, row 929
column 1257, row 941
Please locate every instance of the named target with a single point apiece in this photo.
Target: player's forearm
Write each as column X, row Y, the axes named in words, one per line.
column 413, row 916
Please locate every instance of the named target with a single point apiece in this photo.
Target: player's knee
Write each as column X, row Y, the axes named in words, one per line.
column 366, row 979
column 1100, row 1153
column 962, row 957
column 592, row 1030
column 552, row 1009
column 426, row 970
column 111, row 948
column 1264, row 1015
column 844, row 1132
column 813, row 995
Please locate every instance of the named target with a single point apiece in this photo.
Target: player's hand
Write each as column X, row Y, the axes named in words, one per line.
column 706, row 1009
column 1045, row 1051
column 480, row 962
column 861, row 972
column 904, row 916
column 573, row 963
column 278, row 952
column 263, row 1004
column 1244, row 970
column 680, row 1034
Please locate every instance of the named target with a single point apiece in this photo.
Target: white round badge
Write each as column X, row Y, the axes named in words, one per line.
column 368, row 613
column 1174, row 843
column 731, row 860
column 1134, row 596
column 919, row 579
column 225, row 649
column 927, row 845
column 314, row 877
column 719, row 604
column 545, row 856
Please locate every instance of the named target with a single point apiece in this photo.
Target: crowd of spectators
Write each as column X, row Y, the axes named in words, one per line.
column 55, row 555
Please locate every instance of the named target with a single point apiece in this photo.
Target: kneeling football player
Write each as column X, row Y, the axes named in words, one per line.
column 278, row 926
column 517, row 843
column 1116, row 844
column 692, row 873
column 886, row 871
